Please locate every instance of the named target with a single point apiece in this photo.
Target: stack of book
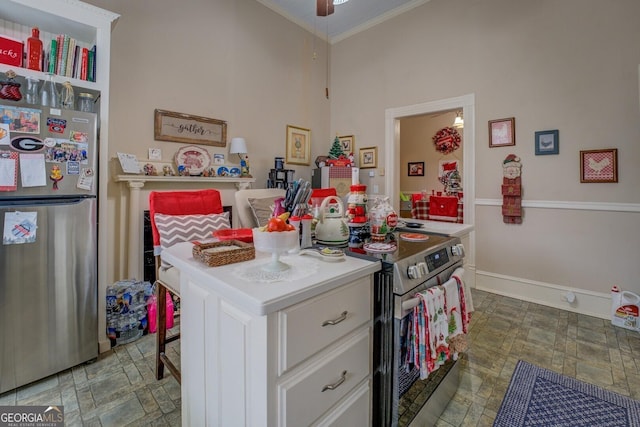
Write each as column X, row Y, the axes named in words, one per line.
column 66, row 57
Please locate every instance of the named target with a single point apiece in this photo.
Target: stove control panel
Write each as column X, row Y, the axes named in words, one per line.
column 421, row 267
column 417, row 271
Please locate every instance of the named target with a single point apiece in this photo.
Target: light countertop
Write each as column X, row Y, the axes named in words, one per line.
column 310, row 277
column 438, row 227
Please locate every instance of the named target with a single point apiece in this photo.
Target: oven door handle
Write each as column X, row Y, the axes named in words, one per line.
column 335, row 321
column 336, row 384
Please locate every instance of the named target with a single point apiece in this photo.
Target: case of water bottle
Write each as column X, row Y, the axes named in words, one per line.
column 127, row 311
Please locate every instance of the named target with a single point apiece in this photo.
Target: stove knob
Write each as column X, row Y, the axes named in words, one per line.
column 412, row 272
column 458, row 250
column 424, row 270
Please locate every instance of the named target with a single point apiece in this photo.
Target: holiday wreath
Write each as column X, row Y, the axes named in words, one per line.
column 447, row 140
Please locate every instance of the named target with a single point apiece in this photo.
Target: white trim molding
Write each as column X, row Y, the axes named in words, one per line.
column 567, row 205
column 585, row 302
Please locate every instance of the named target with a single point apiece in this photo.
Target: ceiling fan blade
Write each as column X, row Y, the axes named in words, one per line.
column 324, row 7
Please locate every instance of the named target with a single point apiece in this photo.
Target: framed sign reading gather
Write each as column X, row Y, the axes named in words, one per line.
column 189, row 129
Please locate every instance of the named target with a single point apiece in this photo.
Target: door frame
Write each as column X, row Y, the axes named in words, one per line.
column 392, row 153
column 392, row 146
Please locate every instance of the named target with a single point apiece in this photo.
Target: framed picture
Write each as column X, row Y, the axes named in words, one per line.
column 368, row 157
column 416, row 169
column 547, row 142
column 348, row 144
column 298, row 145
column 599, row 165
column 502, row 132
column 189, row 129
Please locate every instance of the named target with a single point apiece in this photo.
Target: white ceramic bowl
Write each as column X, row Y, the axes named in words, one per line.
column 275, row 241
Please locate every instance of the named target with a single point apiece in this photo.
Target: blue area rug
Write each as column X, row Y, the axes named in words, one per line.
column 539, row 397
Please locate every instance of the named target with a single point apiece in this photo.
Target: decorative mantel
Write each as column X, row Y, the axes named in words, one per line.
column 135, row 183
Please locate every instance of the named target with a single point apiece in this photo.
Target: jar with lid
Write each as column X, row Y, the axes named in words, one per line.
column 85, row 102
column 383, row 219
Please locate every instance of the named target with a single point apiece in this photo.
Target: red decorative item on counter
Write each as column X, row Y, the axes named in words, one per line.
column 34, row 50
column 512, row 190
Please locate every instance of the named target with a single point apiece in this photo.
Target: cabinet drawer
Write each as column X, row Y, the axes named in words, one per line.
column 354, row 410
column 301, row 399
column 301, row 333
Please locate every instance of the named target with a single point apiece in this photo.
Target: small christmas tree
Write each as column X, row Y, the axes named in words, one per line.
column 336, row 149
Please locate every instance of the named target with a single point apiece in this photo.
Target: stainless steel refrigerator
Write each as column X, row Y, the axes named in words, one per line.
column 48, row 256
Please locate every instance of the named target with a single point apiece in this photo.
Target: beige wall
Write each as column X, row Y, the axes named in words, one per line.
column 570, row 65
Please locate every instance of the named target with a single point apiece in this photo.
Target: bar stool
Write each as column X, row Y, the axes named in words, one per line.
column 190, row 206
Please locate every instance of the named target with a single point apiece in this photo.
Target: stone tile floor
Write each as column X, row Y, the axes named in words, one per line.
column 120, row 388
column 504, row 330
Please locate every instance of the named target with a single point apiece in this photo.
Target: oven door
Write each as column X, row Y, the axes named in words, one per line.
column 410, row 394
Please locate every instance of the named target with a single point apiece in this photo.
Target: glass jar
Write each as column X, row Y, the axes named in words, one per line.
column 49, row 96
column 67, row 97
column 383, row 219
column 33, row 91
column 85, row 102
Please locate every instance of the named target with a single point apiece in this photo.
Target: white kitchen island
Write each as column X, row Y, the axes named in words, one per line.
column 293, row 352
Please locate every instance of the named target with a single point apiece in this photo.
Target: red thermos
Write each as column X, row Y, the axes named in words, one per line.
column 34, row 50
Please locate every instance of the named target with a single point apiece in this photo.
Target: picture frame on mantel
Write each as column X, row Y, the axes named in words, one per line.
column 189, row 129
column 599, row 165
column 298, row 147
column 502, row 132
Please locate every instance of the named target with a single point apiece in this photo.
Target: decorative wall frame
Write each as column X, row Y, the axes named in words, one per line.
column 415, row 169
column 599, row 165
column 348, row 143
column 547, row 142
column 298, row 145
column 189, row 129
column 368, row 157
column 502, row 132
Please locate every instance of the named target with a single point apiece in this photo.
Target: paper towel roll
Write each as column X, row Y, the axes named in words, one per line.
column 355, row 176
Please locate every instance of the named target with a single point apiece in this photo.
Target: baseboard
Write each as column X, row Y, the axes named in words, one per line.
column 586, row 302
column 104, row 345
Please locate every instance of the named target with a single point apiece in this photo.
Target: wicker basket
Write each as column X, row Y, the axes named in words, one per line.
column 225, row 252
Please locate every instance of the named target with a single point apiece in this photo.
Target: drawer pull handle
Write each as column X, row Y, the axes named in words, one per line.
column 336, row 384
column 335, row 321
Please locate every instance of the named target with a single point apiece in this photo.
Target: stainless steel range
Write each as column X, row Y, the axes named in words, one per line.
column 400, row 397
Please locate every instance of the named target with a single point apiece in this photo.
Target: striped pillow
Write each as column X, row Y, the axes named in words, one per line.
column 186, row 228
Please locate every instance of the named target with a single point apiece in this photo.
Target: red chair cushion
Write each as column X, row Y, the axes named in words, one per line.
column 182, row 203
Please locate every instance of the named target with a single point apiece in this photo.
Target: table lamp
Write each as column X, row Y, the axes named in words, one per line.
column 239, row 146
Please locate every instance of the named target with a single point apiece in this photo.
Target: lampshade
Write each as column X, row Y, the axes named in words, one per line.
column 458, row 122
column 238, row 146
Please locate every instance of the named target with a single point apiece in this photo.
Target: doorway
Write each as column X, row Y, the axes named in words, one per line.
column 465, row 103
